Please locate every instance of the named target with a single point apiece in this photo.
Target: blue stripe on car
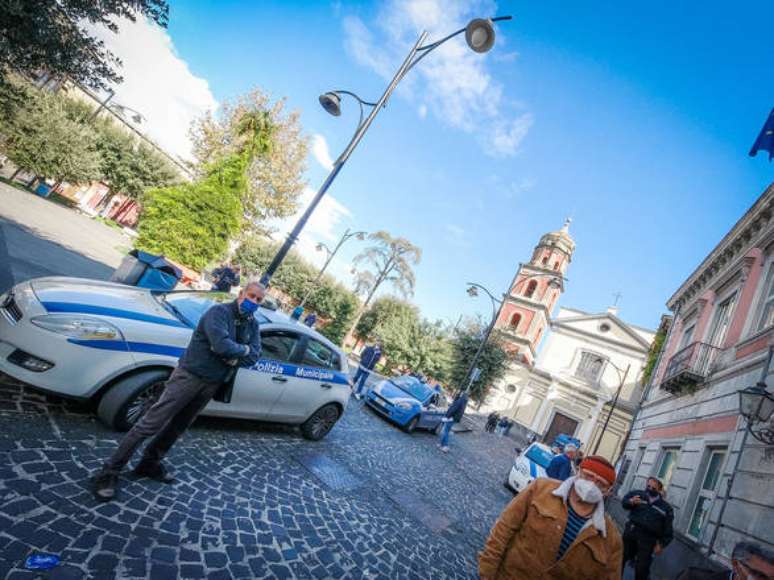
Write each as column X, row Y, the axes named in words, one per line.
column 262, row 366
column 113, row 312
column 532, row 468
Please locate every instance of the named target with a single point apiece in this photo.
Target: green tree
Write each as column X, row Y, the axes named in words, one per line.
column 43, row 135
column 52, row 36
column 389, row 260
column 274, row 180
column 127, row 166
column 193, row 223
column 493, row 361
column 655, row 349
column 334, row 304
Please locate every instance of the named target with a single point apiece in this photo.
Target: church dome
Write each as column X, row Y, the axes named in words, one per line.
column 560, row 239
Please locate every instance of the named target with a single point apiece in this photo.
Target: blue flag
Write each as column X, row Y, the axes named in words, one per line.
column 765, row 140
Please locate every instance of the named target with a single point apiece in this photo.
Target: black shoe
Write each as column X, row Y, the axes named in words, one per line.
column 154, row 470
column 105, row 485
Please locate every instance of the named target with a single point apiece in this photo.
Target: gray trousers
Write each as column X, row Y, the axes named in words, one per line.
column 183, row 398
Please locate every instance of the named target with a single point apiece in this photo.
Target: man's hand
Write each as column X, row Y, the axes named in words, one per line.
column 657, row 549
column 636, row 500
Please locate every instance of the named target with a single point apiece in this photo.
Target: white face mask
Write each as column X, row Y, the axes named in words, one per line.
column 588, row 491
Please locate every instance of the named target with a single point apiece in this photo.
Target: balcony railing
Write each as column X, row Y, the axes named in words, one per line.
column 689, row 367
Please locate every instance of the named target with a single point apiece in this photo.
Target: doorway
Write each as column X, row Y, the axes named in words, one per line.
column 560, row 424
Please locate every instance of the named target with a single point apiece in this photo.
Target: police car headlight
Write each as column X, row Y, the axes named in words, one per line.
column 82, row 327
column 406, row 406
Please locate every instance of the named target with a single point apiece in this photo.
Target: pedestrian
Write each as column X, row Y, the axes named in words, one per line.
column 508, row 426
column 649, row 527
column 501, row 425
column 560, row 466
column 491, row 422
column 225, row 277
column 368, row 360
column 226, row 337
column 557, row 530
column 310, row 319
column 453, row 415
column 297, row 312
column 749, row 561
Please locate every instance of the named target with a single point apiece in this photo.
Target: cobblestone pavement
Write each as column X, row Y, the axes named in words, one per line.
column 251, row 501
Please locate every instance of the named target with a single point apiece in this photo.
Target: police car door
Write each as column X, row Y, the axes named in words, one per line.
column 318, row 373
column 257, row 389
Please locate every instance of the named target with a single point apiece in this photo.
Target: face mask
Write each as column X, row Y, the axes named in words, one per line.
column 248, row 307
column 652, row 492
column 588, row 491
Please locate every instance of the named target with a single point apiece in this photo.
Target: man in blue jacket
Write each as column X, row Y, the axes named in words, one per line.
column 561, row 466
column 368, row 359
column 226, row 337
column 453, row 415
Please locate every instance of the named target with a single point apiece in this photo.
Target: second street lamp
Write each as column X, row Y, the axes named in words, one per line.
column 321, row 246
column 622, row 378
column 479, row 35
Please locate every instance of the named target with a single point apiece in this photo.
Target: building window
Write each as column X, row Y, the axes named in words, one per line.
column 667, row 466
column 722, row 321
column 545, row 260
column 767, row 312
column 589, row 367
column 685, row 340
column 706, row 493
column 515, row 320
column 604, row 327
column 531, row 287
column 510, row 389
column 537, row 336
column 556, row 265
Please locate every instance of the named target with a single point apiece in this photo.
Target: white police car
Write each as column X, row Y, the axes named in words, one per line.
column 117, row 344
column 529, row 465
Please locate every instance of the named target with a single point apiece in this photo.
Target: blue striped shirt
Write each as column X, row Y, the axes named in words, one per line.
column 574, row 525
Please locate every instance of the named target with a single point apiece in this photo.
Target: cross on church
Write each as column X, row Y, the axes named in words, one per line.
column 617, row 298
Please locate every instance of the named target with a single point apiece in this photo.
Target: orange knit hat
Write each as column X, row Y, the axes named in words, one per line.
column 601, row 466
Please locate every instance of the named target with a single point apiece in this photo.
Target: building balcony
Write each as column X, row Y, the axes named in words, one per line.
column 689, row 368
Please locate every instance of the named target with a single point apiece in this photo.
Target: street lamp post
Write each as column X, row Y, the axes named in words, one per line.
column 622, row 379
column 347, row 235
column 479, row 35
column 497, row 305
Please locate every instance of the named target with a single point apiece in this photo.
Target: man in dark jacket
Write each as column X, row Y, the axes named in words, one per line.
column 649, row 528
column 226, row 337
column 561, row 465
column 453, row 415
column 368, row 359
column 225, row 278
column 749, row 561
column 491, row 422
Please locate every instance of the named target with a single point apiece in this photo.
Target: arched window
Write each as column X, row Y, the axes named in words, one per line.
column 537, row 336
column 545, row 260
column 515, row 319
column 531, row 288
column 556, row 265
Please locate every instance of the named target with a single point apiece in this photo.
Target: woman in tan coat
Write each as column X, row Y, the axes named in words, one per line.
column 557, row 530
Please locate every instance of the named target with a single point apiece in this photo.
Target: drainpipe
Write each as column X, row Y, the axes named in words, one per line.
column 727, row 496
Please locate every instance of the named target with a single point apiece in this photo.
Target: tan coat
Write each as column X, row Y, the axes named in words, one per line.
column 524, row 542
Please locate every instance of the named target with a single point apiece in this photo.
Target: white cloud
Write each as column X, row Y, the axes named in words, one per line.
column 505, row 56
column 455, row 83
column 321, row 152
column 422, row 111
column 158, row 83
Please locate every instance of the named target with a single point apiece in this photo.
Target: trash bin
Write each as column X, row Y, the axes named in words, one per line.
column 147, row 271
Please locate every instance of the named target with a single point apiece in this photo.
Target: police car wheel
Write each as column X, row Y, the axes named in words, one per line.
column 321, row 422
column 411, row 425
column 129, row 398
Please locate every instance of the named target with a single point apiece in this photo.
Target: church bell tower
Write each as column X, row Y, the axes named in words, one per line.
column 536, row 287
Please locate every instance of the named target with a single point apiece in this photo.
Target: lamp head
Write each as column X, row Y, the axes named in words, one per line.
column 361, row 236
column 480, row 35
column 331, row 102
column 756, row 404
column 472, row 291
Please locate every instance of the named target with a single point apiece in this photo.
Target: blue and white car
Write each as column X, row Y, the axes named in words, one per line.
column 116, row 345
column 528, row 466
column 406, row 401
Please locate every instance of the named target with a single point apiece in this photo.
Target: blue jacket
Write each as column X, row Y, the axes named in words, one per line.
column 457, row 409
column 370, row 356
column 223, row 334
column 560, row 467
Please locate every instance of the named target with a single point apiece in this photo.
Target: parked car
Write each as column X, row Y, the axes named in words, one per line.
column 116, row 345
column 407, row 402
column 529, row 465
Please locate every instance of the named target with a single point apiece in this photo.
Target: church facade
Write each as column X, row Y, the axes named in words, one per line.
column 588, row 361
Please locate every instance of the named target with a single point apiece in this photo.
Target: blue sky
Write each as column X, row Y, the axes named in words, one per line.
column 636, row 121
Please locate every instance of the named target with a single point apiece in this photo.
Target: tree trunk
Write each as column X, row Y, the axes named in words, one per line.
column 16, row 173
column 362, row 309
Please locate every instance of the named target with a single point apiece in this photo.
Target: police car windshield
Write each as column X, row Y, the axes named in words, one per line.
column 191, row 306
column 413, row 387
column 539, row 455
